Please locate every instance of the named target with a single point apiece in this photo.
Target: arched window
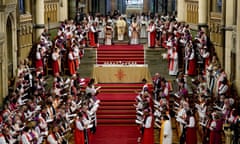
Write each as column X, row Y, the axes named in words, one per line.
column 21, row 7
column 216, row 6
column 134, row 3
column 219, row 5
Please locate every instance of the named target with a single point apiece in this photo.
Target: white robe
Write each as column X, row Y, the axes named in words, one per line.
column 2, row 139
column 167, row 132
column 173, row 66
column 143, row 31
column 51, row 139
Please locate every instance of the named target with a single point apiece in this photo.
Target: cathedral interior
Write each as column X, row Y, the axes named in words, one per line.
column 22, row 23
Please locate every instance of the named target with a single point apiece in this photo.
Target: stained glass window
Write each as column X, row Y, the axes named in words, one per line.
column 21, row 6
column 134, row 3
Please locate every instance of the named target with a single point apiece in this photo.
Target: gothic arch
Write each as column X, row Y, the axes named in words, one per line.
column 9, row 45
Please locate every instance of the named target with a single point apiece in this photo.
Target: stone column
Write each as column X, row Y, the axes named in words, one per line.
column 14, row 43
column 113, row 5
column 145, row 6
column 238, row 49
column 39, row 18
column 181, row 11
column 202, row 12
column 27, row 7
column 228, row 36
column 2, row 71
column 63, row 10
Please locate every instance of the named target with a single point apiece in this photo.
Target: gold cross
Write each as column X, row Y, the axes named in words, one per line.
column 120, row 74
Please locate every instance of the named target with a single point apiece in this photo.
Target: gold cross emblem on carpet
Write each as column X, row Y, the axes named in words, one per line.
column 120, row 74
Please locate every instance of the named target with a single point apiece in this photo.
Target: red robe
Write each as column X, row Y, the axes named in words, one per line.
column 151, row 36
column 38, row 62
column 191, row 131
column 192, row 64
column 216, row 134
column 163, row 40
column 71, row 64
column 55, row 65
column 148, row 135
column 191, row 135
column 192, row 67
column 78, row 136
column 92, row 37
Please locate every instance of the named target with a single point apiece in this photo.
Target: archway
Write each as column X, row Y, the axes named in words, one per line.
column 134, row 6
column 9, row 48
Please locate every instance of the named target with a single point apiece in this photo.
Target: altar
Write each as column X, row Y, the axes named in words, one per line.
column 121, row 73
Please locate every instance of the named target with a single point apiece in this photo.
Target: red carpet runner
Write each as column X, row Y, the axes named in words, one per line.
column 120, row 54
column 115, row 135
column 116, row 114
column 116, row 107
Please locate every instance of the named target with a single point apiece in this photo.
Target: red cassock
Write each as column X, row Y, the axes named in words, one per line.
column 164, row 39
column 216, row 134
column 148, row 135
column 152, row 38
column 38, row 62
column 78, row 136
column 71, row 64
column 92, row 37
column 192, row 67
column 191, row 135
column 55, row 67
column 206, row 64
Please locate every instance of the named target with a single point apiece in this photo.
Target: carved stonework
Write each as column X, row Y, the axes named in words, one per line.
column 8, row 2
column 25, row 29
column 192, row 12
column 25, row 18
column 51, row 1
column 25, row 24
column 51, row 11
column 2, row 39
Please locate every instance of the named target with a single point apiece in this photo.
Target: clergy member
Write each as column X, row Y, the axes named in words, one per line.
column 93, row 35
column 173, row 62
column 55, row 62
column 79, row 130
column 134, row 32
column 191, row 131
column 121, row 26
column 148, row 128
column 151, row 34
column 108, row 33
column 166, row 131
column 71, row 63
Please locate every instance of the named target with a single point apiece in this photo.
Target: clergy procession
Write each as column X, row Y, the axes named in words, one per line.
column 198, row 101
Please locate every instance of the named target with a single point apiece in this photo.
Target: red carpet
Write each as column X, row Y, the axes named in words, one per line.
column 117, row 96
column 120, row 47
column 116, row 114
column 119, row 54
column 117, row 104
column 115, row 135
